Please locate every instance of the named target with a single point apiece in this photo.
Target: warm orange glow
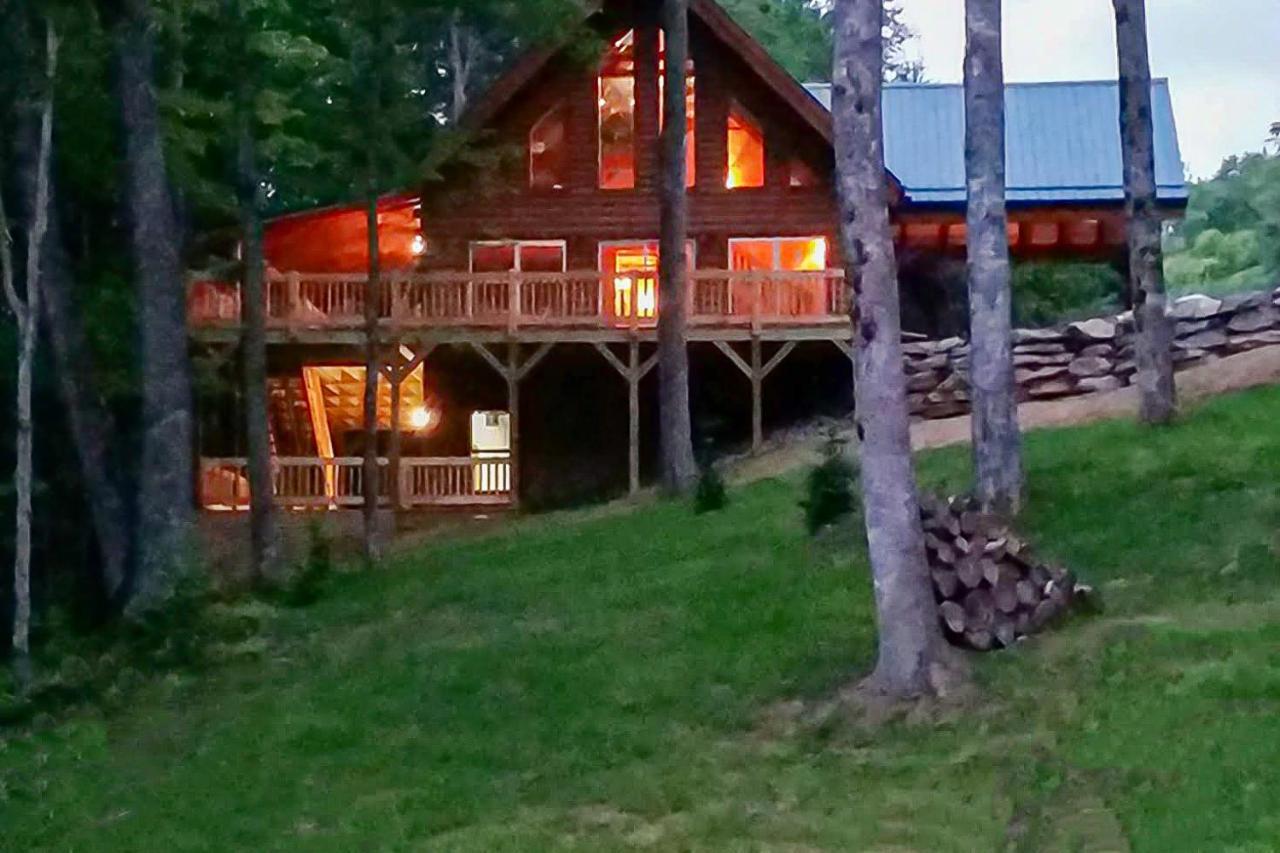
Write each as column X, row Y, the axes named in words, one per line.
column 336, row 395
column 635, row 280
column 798, row 254
column 746, row 151
column 616, row 125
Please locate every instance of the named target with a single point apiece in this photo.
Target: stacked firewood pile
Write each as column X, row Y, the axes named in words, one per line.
column 991, row 589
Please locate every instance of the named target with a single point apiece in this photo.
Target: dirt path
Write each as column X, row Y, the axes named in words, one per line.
column 1235, row 373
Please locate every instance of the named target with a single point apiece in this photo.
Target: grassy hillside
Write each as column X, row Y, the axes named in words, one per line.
column 620, row 681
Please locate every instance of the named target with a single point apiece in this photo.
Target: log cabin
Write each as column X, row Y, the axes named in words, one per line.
column 519, row 305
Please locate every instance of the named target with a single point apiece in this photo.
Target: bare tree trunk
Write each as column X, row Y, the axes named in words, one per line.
column 461, row 47
column 372, row 549
column 1154, row 329
column 262, row 526
column 166, row 493
column 679, row 469
column 997, row 444
column 910, row 638
column 27, row 314
column 92, row 425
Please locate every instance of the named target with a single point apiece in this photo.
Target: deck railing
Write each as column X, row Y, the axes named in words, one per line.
column 314, row 483
column 523, row 300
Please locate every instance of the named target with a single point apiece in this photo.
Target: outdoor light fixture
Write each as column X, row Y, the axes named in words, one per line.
column 419, row 245
column 420, row 418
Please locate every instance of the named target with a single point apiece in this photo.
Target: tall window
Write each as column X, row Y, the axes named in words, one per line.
column 548, row 157
column 746, row 150
column 617, row 115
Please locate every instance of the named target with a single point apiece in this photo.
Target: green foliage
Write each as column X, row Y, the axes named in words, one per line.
column 308, row 583
column 829, row 488
column 1230, row 238
column 1051, row 292
column 711, row 494
column 798, row 34
column 588, row 678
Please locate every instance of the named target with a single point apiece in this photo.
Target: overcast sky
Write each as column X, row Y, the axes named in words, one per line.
column 1222, row 58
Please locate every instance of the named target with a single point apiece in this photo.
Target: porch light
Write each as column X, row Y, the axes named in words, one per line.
column 419, row 245
column 421, row 418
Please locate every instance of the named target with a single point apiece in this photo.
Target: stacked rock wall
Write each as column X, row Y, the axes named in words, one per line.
column 1092, row 355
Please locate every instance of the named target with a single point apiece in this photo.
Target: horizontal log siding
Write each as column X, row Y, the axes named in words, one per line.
column 466, row 207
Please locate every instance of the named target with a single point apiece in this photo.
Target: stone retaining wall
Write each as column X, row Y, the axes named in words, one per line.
column 1092, row 355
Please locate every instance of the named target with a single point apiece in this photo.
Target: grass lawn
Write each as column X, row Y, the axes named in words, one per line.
column 612, row 681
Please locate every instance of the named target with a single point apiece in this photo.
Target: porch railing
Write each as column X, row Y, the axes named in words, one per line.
column 524, row 300
column 314, row 483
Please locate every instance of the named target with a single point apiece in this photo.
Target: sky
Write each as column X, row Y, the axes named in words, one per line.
column 1222, row 58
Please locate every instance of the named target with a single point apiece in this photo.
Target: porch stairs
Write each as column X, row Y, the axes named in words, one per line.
column 290, row 417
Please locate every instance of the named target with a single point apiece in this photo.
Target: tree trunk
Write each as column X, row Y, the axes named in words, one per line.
column 460, row 53
column 679, row 470
column 997, row 444
column 372, row 369
column 93, row 429
column 27, row 313
column 166, row 494
column 262, row 527
column 1154, row 329
column 910, row 638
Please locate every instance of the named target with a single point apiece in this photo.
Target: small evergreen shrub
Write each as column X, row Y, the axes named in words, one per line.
column 306, row 587
column 829, row 494
column 711, row 495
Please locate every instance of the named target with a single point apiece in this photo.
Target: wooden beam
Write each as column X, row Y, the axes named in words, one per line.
column 650, row 363
column 604, row 350
column 778, row 358
column 757, row 397
column 734, row 357
column 538, row 355
column 512, row 375
column 484, row 352
column 844, row 347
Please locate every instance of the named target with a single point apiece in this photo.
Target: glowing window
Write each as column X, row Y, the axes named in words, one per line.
column 787, row 254
column 633, row 273
column 746, row 151
column 547, row 152
column 518, row 256
column 616, row 90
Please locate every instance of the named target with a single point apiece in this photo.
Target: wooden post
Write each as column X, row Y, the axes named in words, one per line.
column 293, row 296
column 757, row 404
column 513, row 407
column 394, row 484
column 633, row 403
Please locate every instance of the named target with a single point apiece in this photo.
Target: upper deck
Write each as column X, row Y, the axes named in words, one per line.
column 586, row 305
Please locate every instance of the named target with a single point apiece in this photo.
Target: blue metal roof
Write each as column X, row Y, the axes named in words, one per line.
column 1063, row 141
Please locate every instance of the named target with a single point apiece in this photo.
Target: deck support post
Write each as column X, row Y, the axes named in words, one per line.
column 397, row 368
column 757, row 372
column 513, row 371
column 633, row 413
column 513, row 407
column 633, row 371
column 757, row 390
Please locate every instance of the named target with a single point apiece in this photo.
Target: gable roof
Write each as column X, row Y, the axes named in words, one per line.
column 1063, row 141
column 717, row 20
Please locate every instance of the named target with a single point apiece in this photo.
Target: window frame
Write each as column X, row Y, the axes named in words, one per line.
column 749, row 118
column 776, row 245
column 518, row 246
column 561, row 107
